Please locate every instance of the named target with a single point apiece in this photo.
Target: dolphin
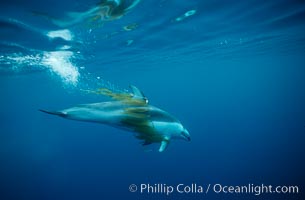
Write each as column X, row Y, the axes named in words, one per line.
column 132, row 112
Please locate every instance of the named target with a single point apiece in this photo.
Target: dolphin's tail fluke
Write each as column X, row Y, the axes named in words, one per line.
column 53, row 112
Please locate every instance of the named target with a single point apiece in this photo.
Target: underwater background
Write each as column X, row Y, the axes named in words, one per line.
column 233, row 72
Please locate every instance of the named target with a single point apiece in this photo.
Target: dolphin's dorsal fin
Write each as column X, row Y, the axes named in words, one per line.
column 138, row 94
column 164, row 144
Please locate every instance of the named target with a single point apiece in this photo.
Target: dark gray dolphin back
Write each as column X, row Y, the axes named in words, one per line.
column 156, row 114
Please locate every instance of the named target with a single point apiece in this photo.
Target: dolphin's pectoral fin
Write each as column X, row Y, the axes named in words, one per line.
column 138, row 94
column 164, row 144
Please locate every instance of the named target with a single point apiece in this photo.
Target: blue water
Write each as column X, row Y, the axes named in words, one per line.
column 233, row 72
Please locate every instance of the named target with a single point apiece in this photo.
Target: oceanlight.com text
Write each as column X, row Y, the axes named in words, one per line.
column 195, row 188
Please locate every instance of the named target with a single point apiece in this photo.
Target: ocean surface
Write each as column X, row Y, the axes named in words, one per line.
column 233, row 73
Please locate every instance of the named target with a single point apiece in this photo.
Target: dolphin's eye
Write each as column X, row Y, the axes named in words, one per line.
column 186, row 135
column 183, row 133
